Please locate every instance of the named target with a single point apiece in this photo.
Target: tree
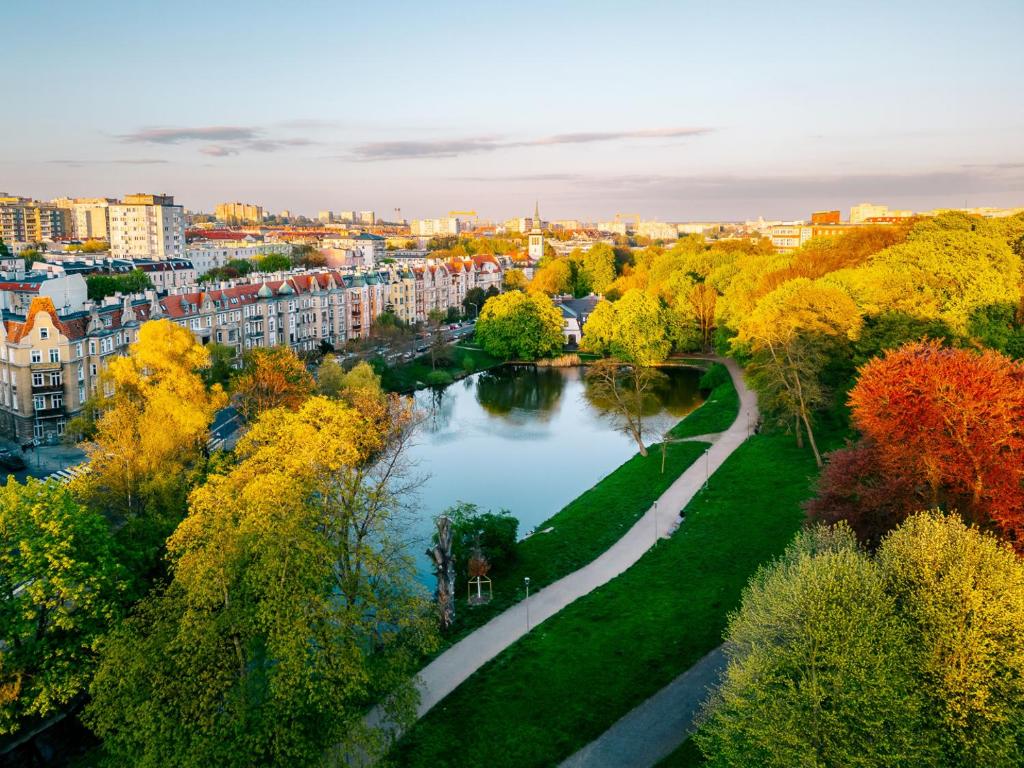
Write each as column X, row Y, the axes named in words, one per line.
column 222, row 358
column 152, row 429
column 330, row 377
column 962, row 594
column 599, row 267
column 307, row 257
column 632, row 328
column 60, row 589
column 520, row 325
column 474, row 302
column 789, row 333
column 625, row 392
column 950, row 421
column 818, row 669
column 515, row 280
column 273, row 262
column 271, row 377
column 291, row 609
column 854, row 488
column 493, row 534
column 702, row 299
column 553, row 278
column 5, row 252
column 101, row 286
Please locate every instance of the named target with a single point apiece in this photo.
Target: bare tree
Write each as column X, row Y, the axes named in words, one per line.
column 624, row 391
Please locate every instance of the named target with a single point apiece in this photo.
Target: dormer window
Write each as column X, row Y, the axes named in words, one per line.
column 44, row 333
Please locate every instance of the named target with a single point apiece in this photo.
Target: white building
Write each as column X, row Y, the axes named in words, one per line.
column 325, row 217
column 435, row 227
column 657, row 230
column 90, row 218
column 367, row 217
column 147, row 227
column 536, row 242
column 210, row 255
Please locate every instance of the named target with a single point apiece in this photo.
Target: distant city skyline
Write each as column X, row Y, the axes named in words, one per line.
column 675, row 111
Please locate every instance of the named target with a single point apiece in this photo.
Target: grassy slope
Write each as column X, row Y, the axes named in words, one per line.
column 718, row 411
column 596, row 519
column 687, row 756
column 565, row 683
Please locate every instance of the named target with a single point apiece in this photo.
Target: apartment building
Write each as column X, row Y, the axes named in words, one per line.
column 210, row 255
column 434, row 227
column 238, row 213
column 23, row 220
column 147, row 227
column 368, row 218
column 50, row 362
column 789, row 237
column 657, row 230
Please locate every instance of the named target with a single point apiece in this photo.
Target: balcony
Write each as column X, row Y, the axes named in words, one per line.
column 47, row 387
column 45, row 365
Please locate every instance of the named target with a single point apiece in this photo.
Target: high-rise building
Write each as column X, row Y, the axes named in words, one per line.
column 347, row 217
column 861, row 213
column 325, row 217
column 367, row 217
column 239, row 213
column 147, row 227
column 23, row 220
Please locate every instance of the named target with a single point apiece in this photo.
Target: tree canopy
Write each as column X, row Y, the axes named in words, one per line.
column 632, row 329
column 520, row 325
column 271, row 377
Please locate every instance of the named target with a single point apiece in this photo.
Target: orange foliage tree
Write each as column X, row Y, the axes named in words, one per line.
column 952, row 422
column 273, row 377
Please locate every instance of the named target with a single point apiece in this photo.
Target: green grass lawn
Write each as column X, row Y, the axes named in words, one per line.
column 567, row 681
column 719, row 410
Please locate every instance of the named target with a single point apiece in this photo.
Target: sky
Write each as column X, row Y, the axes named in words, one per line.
column 679, row 111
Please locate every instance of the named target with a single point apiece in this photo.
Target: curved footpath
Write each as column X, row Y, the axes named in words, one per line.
column 446, row 672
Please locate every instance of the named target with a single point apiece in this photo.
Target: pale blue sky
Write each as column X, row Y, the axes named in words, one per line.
column 684, row 110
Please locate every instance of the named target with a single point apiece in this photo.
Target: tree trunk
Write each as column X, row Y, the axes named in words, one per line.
column 810, row 437
column 799, row 432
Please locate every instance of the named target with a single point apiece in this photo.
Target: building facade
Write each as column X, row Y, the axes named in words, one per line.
column 239, row 213
column 23, row 220
column 147, row 227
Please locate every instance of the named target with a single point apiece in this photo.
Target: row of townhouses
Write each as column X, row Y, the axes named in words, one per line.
column 51, row 360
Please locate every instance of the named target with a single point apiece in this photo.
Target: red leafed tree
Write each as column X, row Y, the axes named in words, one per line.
column 856, row 488
column 952, row 422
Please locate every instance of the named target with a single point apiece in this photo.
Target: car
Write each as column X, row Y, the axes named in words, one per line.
column 11, row 459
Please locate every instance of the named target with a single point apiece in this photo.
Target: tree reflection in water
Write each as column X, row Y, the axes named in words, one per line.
column 510, row 389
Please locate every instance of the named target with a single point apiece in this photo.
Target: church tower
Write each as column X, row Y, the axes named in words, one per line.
column 536, row 236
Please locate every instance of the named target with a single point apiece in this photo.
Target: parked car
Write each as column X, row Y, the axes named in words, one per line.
column 10, row 459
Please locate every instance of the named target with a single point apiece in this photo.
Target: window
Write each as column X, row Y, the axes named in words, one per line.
column 54, row 355
column 92, row 346
column 92, row 369
column 78, row 349
column 37, row 379
column 58, row 401
column 44, row 333
column 37, row 356
column 81, row 395
column 56, row 379
column 81, row 372
column 39, row 402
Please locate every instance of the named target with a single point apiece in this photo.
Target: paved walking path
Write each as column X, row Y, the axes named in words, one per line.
column 446, row 672
column 656, row 728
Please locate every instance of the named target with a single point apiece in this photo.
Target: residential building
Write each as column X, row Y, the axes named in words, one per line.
column 368, row 218
column 520, row 224
column 23, row 220
column 91, row 218
column 657, row 230
column 575, row 313
column 435, row 227
column 239, row 213
column 207, row 255
column 147, row 227
column 346, row 217
column 18, row 290
column 325, row 217
column 789, row 237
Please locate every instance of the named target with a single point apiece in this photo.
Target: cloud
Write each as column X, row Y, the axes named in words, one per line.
column 80, row 163
column 227, row 139
column 415, row 150
column 178, row 135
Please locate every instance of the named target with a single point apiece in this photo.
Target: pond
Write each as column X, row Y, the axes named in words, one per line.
column 524, row 439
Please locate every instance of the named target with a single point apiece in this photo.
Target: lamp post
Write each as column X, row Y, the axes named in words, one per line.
column 476, row 307
column 526, row 581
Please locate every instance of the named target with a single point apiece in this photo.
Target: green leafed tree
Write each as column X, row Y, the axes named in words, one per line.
column 520, row 325
column 632, row 329
column 61, row 588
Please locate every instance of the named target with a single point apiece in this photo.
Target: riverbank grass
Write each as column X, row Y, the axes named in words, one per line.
column 462, row 360
column 566, row 682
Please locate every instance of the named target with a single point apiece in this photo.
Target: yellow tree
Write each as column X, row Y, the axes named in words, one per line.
column 292, row 607
column 152, row 429
column 555, row 277
column 632, row 329
column 789, row 334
